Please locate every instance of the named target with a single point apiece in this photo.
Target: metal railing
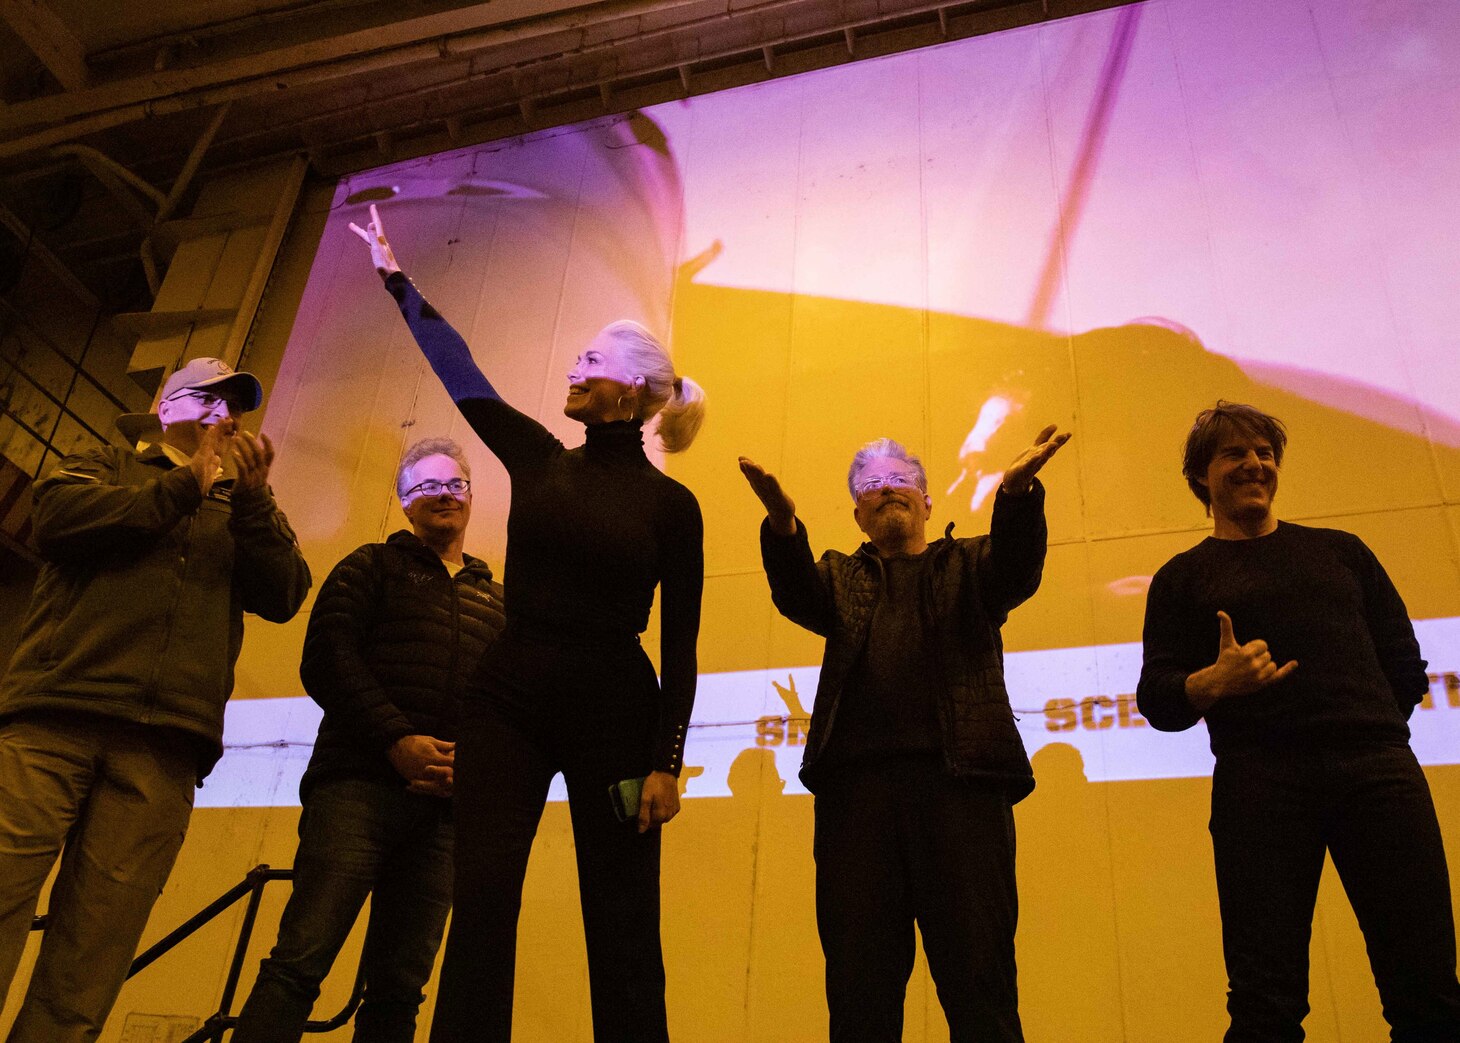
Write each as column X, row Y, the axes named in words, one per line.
column 221, row 1021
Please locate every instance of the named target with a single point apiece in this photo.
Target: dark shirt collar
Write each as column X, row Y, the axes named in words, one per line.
column 407, row 540
column 867, row 550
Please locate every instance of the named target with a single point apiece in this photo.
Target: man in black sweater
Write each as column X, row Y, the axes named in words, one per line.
column 913, row 753
column 393, row 640
column 1293, row 645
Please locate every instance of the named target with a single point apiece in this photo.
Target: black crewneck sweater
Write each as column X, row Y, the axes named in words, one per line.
column 591, row 530
column 1315, row 595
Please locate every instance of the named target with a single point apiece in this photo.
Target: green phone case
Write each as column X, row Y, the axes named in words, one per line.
column 625, row 798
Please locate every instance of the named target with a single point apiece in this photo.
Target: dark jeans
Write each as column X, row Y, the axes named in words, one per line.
column 356, row 838
column 589, row 713
column 1274, row 814
column 899, row 841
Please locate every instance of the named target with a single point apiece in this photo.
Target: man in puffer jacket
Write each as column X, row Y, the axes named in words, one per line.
column 393, row 641
column 913, row 753
column 112, row 711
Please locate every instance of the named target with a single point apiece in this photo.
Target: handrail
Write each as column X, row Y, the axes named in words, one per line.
column 252, row 885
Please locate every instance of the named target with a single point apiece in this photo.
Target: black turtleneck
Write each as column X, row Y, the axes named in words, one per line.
column 591, row 530
column 1315, row 595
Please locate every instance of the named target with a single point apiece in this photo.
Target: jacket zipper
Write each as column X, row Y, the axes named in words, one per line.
column 150, row 704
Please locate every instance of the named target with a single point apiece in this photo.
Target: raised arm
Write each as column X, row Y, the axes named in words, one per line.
column 511, row 435
column 798, row 588
column 1011, row 562
column 1019, row 476
column 443, row 347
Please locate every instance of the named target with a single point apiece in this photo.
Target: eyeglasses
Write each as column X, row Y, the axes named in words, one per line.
column 209, row 401
column 457, row 487
column 896, row 480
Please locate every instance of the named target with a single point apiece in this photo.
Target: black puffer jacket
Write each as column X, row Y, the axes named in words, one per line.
column 969, row 591
column 392, row 643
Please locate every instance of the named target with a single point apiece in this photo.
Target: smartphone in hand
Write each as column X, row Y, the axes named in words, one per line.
column 624, row 796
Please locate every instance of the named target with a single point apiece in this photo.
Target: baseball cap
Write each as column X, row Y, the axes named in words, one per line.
column 200, row 374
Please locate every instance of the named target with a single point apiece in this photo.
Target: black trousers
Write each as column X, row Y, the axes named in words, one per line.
column 1274, row 814
column 589, row 712
column 900, row 841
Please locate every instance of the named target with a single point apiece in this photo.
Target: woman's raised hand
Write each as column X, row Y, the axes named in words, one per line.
column 374, row 236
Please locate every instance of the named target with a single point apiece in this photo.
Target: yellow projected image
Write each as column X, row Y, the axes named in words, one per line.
column 1095, row 224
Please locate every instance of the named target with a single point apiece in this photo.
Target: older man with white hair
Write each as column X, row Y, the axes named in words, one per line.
column 913, row 753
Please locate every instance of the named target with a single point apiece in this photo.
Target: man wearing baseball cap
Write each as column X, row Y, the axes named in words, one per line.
column 112, row 709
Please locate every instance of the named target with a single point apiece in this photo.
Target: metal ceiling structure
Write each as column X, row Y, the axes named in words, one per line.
column 110, row 109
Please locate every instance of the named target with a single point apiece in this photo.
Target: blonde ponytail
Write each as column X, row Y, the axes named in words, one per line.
column 682, row 415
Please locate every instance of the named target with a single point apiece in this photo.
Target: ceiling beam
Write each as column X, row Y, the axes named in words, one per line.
column 37, row 249
column 442, row 35
column 99, row 108
column 214, row 85
column 50, row 39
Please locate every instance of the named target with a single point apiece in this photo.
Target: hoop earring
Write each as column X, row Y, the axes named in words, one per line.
column 632, row 413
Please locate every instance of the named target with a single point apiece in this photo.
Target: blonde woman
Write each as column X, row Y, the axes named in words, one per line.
column 592, row 531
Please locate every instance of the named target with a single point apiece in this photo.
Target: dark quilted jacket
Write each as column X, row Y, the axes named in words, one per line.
column 392, row 643
column 970, row 589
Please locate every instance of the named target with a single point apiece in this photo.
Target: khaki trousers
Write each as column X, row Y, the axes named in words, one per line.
column 116, row 797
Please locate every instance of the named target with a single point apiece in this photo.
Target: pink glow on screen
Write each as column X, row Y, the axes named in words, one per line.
column 1104, row 222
